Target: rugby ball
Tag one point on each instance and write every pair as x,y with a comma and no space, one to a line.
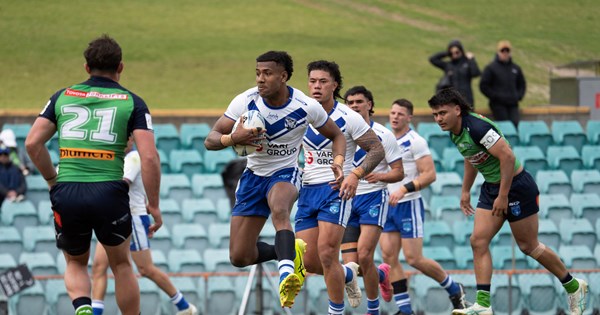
250,119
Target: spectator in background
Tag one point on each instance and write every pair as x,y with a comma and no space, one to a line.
12,181
459,70
503,83
18,157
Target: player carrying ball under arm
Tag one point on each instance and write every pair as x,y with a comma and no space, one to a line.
508,193
269,185
323,205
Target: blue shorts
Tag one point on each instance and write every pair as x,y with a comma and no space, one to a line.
140,225
321,203
253,190
522,197
370,208
407,218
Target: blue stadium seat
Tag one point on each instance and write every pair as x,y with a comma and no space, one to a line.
193,135
577,232
159,259
19,214
464,257
435,136
190,236
476,188
11,241
165,166
217,260
189,288
577,257
586,206
171,212
509,131
57,297
447,184
462,231
37,189
40,239
161,240
188,162
446,208
216,160
591,156
453,161
504,235
45,214
593,131
501,289
270,299
40,264
539,293
199,210
7,261
437,161
443,255
555,207
150,296
438,233
535,133
548,233
208,186
167,137
568,132
176,186
433,298
565,158
224,210
553,182
218,235
30,301
585,181
222,289
185,260
532,158
502,256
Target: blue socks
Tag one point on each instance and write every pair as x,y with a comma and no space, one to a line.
335,309
179,301
450,286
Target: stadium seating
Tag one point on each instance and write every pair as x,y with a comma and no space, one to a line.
504,235
591,156
548,233
57,297
577,256
593,131
167,137
218,235
437,161
37,189
532,158
193,135
509,131
502,256
501,288
447,184
188,287
553,182
446,208
438,233
432,298
161,240
435,136
577,232
40,239
217,260
190,236
464,257
185,260
222,289
539,293
443,255
7,261
568,133
200,210
586,206
586,181
176,186
40,264
171,212
188,162
224,210
11,241
535,133
45,214
19,214
165,166
215,161
555,207
453,161
208,186
462,231
30,301
150,294
159,259
565,158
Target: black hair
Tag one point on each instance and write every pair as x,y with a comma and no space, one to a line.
450,96
281,58
103,54
359,89
402,102
332,68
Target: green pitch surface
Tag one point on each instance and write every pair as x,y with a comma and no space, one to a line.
200,54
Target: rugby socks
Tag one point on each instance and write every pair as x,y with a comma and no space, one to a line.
285,248
98,307
451,287
82,305
483,295
570,284
401,296
179,301
373,306
335,309
266,252
348,274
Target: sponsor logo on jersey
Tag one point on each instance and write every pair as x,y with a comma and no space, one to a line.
77,153
280,149
490,138
94,94
478,158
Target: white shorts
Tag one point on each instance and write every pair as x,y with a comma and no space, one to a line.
140,225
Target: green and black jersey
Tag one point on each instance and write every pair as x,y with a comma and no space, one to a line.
477,136
94,120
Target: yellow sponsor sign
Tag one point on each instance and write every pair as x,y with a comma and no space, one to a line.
77,153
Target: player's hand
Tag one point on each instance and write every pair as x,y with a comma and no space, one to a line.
396,196
252,137
157,217
465,204
500,206
348,188
338,174
373,178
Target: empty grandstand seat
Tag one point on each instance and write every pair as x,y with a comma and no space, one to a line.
215,161
37,189
30,301
217,260
464,257
189,288
586,206
568,132
40,239
224,210
443,255
565,158
45,214
577,256
190,236
509,131
167,137
435,136
462,231
577,232
150,297
548,233
222,289
433,298
593,131
553,182
185,260
40,264
161,240
165,166
270,299
159,259
218,235
176,186
11,241
437,161
501,289
453,161
171,212
188,162
535,133
539,293
555,207
532,158
208,186
19,214
504,235
57,297
438,233
447,184
193,135
586,181
199,210
7,261
476,188
502,257
446,208
591,156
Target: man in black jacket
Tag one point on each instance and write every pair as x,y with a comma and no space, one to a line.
459,70
503,83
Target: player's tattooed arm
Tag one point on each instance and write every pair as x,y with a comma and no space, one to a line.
375,152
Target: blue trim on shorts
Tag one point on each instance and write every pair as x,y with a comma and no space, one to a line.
407,218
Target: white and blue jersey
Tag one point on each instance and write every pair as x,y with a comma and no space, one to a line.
140,220
285,126
413,147
318,154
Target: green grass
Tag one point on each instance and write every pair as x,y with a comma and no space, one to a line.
200,54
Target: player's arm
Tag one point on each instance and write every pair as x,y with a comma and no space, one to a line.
338,150
395,174
502,151
221,136
35,144
426,170
150,163
375,153
468,180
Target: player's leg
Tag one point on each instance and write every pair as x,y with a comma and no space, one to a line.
330,238
307,226
367,242
391,244
99,279
127,292
312,263
349,250
77,281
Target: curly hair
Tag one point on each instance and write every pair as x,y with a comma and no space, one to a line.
450,96
333,69
281,58
103,54
359,89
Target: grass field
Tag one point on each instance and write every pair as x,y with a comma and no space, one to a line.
200,54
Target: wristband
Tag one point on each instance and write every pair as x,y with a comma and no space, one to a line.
52,180
410,187
339,160
359,172
227,140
